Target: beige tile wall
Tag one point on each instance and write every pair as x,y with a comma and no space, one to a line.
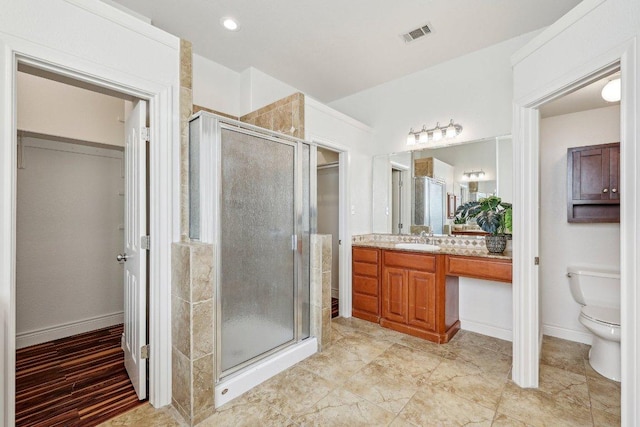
285,116
186,109
321,289
192,330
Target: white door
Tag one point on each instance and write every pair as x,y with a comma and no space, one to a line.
135,257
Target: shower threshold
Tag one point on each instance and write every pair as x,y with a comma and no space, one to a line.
230,388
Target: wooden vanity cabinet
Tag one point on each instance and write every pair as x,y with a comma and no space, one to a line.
593,177
414,296
365,284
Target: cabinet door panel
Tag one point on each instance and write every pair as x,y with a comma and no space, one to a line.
394,294
422,300
590,174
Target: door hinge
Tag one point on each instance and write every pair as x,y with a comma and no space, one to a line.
145,242
144,352
294,242
536,261
145,134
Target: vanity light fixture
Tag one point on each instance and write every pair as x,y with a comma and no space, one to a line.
612,90
230,24
473,175
425,135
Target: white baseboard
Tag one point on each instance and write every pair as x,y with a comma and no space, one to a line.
568,334
26,339
484,329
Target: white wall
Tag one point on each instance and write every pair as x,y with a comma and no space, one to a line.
323,124
259,89
222,89
475,90
51,108
571,243
94,39
69,216
215,86
594,35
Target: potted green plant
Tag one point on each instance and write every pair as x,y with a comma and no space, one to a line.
494,217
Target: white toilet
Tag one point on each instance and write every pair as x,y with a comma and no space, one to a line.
598,291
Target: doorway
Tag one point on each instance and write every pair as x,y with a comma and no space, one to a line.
81,200
328,204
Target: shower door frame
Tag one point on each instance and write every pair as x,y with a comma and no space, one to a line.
210,143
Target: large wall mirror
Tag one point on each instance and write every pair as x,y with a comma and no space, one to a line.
423,187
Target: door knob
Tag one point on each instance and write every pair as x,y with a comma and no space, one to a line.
605,190
614,190
121,258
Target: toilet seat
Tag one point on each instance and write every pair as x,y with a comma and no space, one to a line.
603,315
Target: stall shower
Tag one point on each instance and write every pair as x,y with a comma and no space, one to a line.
250,199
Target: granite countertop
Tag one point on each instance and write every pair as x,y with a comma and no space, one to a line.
479,251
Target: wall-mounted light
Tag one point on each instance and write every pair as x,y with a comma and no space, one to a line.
436,134
611,92
473,175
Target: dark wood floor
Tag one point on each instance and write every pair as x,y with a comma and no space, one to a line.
334,307
75,381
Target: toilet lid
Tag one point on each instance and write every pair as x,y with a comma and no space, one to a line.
610,316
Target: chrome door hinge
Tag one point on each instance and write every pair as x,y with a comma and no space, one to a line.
536,261
144,352
145,134
145,242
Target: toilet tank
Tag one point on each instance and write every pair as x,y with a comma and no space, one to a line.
595,286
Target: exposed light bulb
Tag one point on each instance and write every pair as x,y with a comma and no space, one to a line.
611,92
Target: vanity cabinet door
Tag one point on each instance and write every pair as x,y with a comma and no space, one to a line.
394,294
421,300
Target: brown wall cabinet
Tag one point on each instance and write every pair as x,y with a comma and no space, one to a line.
365,286
593,177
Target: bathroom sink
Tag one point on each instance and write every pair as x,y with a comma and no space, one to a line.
417,246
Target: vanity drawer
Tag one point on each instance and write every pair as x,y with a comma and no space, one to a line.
363,269
365,285
365,255
479,268
411,261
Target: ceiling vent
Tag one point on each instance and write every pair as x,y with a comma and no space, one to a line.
416,34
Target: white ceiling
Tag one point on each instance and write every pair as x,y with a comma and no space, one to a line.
333,48
586,98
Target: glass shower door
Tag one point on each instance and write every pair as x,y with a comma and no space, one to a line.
257,247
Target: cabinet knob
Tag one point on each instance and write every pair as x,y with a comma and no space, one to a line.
614,190
605,190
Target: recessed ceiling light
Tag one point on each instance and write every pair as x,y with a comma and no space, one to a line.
230,24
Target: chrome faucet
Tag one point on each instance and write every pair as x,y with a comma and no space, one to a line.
425,236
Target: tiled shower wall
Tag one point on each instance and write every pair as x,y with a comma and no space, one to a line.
192,312
285,116
321,289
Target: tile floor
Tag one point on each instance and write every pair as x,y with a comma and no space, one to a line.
376,377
